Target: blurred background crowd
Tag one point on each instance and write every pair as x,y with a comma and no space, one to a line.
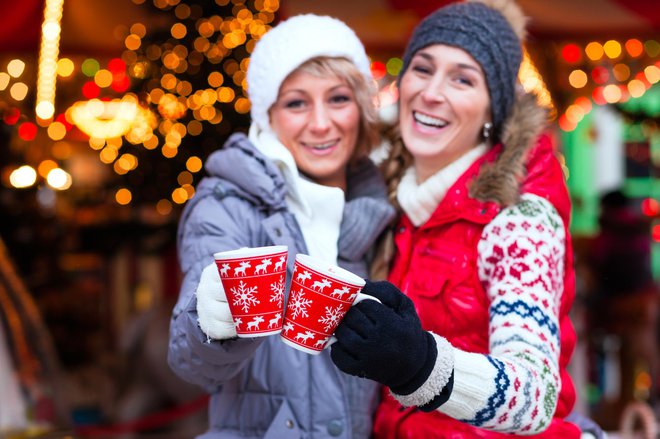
108,110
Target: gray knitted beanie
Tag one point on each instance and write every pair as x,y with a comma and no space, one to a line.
487,36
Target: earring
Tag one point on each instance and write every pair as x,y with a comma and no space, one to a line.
486,130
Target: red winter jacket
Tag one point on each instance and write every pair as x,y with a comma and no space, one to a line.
435,265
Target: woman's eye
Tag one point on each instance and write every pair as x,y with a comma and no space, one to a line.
294,104
421,69
464,81
340,99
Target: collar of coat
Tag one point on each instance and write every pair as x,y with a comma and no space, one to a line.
499,181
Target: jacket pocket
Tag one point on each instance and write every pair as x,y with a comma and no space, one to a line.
284,424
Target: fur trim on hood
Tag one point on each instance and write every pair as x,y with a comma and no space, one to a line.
500,181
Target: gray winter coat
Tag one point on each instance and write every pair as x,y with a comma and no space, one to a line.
260,387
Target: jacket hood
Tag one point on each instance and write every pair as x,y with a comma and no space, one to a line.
241,167
500,180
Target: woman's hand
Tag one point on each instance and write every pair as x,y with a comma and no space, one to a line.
213,313
385,341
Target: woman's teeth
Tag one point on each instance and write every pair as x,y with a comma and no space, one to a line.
428,120
321,146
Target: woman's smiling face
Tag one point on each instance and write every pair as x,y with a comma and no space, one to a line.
318,120
443,106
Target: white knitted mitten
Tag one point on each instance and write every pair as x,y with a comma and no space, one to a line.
213,313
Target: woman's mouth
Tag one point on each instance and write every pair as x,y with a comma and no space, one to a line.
429,121
321,146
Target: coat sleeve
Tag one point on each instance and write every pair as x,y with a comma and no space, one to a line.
210,226
515,387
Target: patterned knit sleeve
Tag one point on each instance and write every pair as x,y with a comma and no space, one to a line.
521,265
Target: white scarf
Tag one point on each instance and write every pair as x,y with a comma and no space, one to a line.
318,209
419,201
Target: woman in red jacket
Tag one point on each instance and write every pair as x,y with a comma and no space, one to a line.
473,336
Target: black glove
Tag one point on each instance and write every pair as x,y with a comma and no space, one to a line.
385,342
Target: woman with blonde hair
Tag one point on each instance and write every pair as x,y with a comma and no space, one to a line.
302,179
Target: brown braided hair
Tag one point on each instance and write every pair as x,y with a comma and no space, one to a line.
397,161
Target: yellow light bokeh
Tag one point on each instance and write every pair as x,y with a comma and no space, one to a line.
96,143
108,154
225,94
123,196
182,11
4,80
24,176
178,30
184,88
15,68
139,29
190,190
164,207
169,152
179,195
103,78
65,67
132,42
194,164
206,29
156,94
59,179
45,110
652,74
151,142
242,105
578,78
195,128
18,91
636,88
127,162
56,130
45,167
574,113
612,93
594,51
621,72
216,79
168,81
184,177
612,49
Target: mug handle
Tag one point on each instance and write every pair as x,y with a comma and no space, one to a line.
359,298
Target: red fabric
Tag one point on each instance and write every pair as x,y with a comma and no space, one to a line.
435,266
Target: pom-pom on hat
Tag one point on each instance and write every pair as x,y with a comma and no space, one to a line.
290,44
491,33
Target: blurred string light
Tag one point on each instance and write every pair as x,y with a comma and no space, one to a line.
49,51
607,73
113,118
187,97
532,82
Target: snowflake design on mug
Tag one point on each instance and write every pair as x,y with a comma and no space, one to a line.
298,304
331,318
277,292
244,296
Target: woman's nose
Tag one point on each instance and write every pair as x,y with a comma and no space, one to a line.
320,120
435,91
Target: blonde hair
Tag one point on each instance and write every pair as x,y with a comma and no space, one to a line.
364,90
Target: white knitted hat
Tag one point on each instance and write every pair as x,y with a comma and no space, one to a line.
288,45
